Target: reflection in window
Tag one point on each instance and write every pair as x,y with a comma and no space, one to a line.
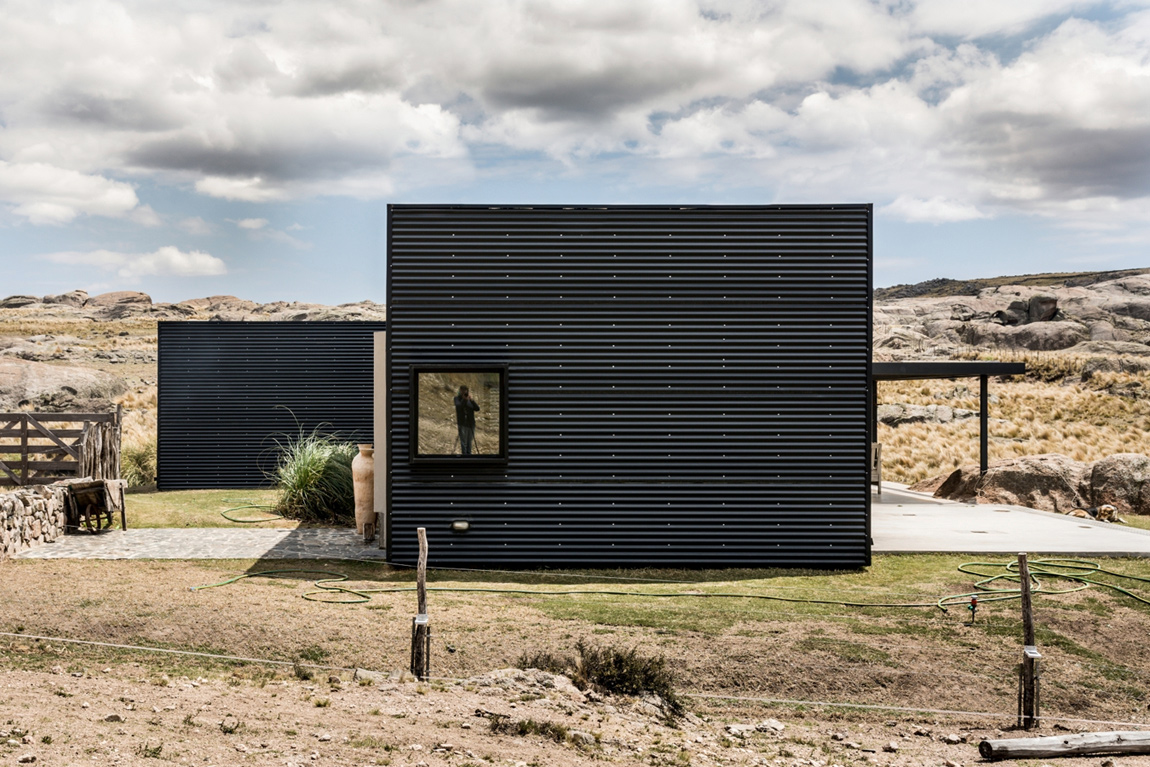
459,414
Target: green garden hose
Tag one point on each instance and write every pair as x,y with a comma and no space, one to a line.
1076,571
270,518
1079,572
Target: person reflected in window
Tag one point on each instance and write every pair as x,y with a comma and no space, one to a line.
465,410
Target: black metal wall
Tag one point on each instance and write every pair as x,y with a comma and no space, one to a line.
221,385
687,385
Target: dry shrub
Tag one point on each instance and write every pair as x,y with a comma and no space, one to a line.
613,670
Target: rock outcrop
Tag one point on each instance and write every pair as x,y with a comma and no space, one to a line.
1051,482
1122,480
897,414
119,297
27,385
1015,318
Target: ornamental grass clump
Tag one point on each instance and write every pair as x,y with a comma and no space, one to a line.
313,476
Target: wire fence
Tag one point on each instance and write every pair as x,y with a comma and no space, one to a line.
734,648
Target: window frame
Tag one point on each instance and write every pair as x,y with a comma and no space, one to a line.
456,461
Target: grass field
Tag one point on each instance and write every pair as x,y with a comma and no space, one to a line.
1097,663
201,508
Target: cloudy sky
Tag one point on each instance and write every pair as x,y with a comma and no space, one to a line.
195,147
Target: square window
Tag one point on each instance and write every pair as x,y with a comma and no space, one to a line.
459,414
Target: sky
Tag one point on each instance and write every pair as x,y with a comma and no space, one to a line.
193,147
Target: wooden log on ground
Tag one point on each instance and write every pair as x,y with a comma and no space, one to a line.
1087,743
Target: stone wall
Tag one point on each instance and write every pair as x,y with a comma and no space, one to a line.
31,516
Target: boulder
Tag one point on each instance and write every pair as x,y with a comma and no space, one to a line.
15,302
220,303
1041,308
1105,331
1051,482
1122,480
1114,365
1016,314
1042,336
72,298
119,297
1138,308
896,414
50,387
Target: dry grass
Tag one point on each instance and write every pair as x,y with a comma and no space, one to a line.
138,436
1109,414
1094,642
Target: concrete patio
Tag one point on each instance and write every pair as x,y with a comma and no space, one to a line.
905,522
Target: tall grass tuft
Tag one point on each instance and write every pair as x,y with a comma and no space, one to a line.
138,463
313,476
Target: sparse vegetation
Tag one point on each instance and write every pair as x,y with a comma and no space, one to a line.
1086,421
612,670
522,727
150,752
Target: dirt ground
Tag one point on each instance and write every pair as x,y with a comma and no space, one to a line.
118,715
1096,663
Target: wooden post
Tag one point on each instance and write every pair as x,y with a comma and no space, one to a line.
420,628
1028,702
1132,742
25,472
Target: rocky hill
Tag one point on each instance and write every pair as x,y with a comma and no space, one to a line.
79,352
1071,313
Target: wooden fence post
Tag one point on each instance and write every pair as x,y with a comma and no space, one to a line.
1028,680
420,628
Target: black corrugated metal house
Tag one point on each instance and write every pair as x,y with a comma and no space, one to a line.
656,385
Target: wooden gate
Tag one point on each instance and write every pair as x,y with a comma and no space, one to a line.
42,448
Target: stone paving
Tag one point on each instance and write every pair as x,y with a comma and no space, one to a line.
210,543
902,522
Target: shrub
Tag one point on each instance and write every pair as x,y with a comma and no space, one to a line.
313,475
613,670
545,661
138,463
523,727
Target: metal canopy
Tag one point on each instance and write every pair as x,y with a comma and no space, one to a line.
918,371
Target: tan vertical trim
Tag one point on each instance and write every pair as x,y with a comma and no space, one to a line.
380,428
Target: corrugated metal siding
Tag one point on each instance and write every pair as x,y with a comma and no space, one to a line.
220,384
687,386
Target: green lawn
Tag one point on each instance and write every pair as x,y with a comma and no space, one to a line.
200,508
1134,520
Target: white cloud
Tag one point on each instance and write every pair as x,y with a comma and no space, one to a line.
167,261
918,105
195,225
243,189
972,18
258,229
251,223
145,216
936,210
46,194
